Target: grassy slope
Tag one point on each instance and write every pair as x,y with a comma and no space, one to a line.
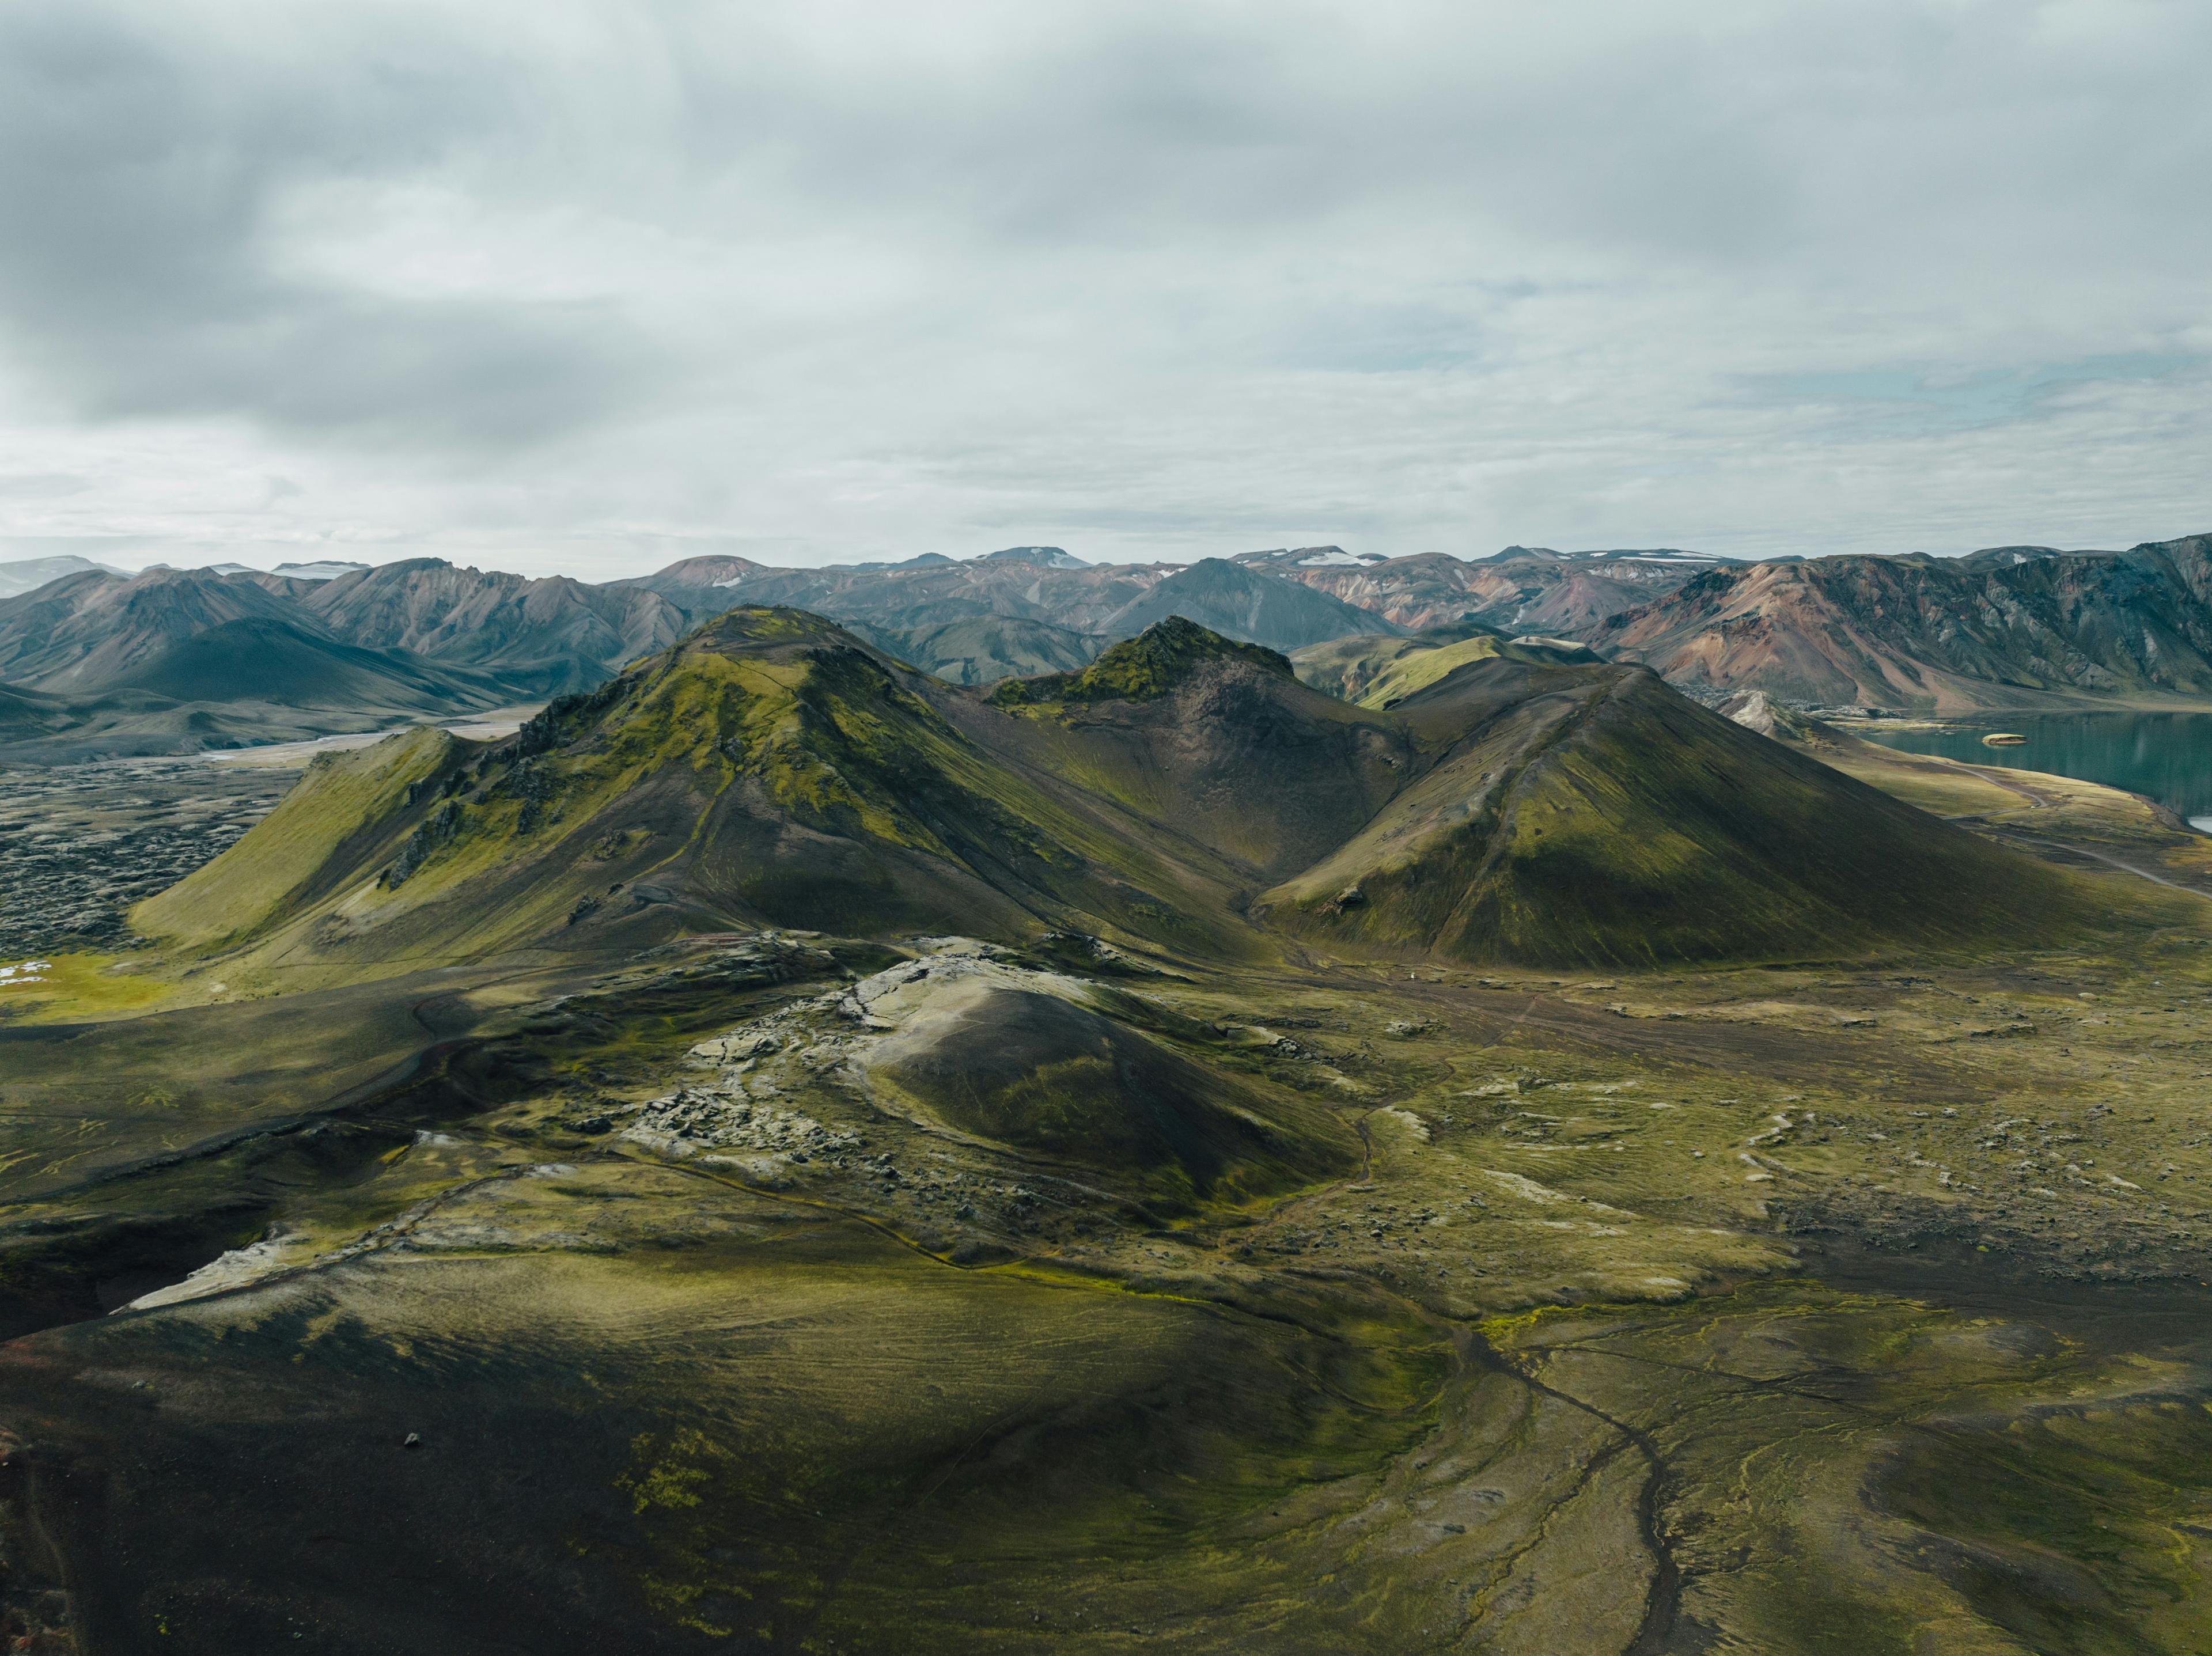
1614,822
321,820
1422,668
1344,667
665,1411
1377,671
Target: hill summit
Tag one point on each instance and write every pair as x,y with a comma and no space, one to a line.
1139,668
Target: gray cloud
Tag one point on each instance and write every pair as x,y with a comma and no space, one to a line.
139,161
569,284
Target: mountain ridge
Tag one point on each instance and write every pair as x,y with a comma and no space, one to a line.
2006,626
1228,597
1184,791
553,633
1518,590
2013,627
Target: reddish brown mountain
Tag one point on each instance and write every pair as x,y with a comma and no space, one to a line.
2011,628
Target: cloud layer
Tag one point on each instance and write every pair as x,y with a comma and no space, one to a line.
589,287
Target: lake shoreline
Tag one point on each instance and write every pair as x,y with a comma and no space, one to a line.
2164,755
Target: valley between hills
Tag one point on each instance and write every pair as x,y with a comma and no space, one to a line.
1435,1143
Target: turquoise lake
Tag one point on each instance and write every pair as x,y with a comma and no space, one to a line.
2168,757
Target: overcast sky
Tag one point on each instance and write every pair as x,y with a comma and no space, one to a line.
590,285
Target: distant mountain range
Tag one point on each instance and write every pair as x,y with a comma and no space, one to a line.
2011,627
31,573
193,653
1521,590
190,653
171,658
1021,584
544,635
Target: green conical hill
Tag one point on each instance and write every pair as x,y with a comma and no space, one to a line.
1591,816
1412,673
769,769
1152,664
1417,670
1378,670
1344,667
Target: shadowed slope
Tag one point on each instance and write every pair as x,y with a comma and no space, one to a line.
1039,1072
1592,816
984,649
81,634
1065,1069
264,658
1214,742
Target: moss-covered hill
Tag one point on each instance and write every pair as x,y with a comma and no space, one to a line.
768,770
1592,816
1140,669
771,769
